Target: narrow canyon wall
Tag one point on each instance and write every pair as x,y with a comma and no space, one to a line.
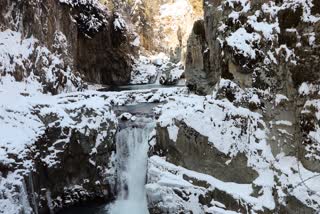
272,48
85,34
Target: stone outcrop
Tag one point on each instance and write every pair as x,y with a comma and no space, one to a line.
193,151
197,61
188,141
240,49
71,165
69,162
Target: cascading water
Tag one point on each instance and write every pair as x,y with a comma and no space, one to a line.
132,155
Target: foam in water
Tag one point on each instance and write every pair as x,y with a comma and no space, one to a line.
132,155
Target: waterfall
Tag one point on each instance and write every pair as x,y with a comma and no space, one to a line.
132,155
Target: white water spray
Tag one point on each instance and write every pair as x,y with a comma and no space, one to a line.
132,155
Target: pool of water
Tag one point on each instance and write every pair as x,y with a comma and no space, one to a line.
136,87
86,209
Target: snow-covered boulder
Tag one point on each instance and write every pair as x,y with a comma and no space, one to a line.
224,153
171,73
55,151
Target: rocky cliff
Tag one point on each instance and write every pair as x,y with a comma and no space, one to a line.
262,46
246,56
257,44
84,33
55,153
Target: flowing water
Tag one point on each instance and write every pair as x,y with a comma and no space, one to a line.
132,154
132,145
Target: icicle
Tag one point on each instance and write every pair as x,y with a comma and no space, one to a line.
33,195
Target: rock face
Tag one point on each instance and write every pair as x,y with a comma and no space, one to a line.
83,158
193,151
251,146
70,160
197,71
257,44
266,45
273,57
94,46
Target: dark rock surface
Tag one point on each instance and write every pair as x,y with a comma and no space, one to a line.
193,151
69,167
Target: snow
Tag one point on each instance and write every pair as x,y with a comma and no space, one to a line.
268,30
136,42
119,23
159,59
148,69
171,73
231,129
305,185
26,103
22,127
280,98
164,175
281,122
264,22
311,108
289,53
14,49
177,9
243,41
306,89
41,74
92,15
75,3
173,132
14,198
223,132
144,71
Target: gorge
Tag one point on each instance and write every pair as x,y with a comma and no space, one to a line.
159,106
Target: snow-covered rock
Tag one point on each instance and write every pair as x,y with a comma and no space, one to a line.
224,137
